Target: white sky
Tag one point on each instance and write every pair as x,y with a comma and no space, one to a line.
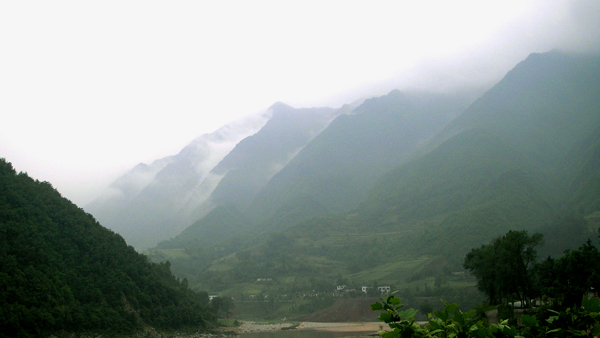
90,89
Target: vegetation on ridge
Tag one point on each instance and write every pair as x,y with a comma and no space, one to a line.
61,271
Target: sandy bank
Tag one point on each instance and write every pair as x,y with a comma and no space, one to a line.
332,327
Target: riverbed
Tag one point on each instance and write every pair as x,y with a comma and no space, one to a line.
308,329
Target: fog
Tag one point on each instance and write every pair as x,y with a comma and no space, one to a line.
89,90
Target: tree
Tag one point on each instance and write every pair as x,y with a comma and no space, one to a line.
574,274
506,267
222,305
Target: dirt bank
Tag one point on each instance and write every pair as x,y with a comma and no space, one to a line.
345,310
367,327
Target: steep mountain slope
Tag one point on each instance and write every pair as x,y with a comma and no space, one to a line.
333,171
228,166
61,271
342,162
256,159
518,156
544,107
144,204
221,223
582,195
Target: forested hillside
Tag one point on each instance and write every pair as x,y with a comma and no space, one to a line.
61,271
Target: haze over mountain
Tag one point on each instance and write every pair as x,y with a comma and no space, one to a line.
522,156
341,163
157,201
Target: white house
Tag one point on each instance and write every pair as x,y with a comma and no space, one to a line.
383,289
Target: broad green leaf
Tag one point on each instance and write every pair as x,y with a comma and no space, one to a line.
410,313
385,317
394,300
529,321
451,307
469,313
592,305
376,306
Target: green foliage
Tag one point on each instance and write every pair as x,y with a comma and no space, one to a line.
575,273
62,271
506,267
451,322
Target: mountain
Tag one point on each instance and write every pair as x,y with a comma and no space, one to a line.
62,272
256,159
522,156
544,107
519,156
156,202
342,162
330,173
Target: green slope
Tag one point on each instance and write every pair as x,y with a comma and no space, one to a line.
544,108
583,194
522,155
61,271
339,165
253,161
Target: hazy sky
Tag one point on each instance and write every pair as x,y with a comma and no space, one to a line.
89,89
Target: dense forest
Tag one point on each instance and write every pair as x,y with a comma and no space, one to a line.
62,272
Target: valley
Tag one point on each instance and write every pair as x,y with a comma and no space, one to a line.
397,190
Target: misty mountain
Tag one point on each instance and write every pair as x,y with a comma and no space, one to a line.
519,156
155,202
256,159
544,107
332,173
342,162
522,156
143,204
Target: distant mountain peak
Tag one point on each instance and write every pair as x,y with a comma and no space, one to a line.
395,92
280,106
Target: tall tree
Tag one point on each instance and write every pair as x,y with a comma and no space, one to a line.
506,267
571,276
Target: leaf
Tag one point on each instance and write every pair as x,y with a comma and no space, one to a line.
434,332
377,306
592,305
385,317
394,300
529,321
390,335
469,314
451,307
595,330
441,315
410,313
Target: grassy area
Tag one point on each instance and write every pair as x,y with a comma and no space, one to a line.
228,322
393,272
